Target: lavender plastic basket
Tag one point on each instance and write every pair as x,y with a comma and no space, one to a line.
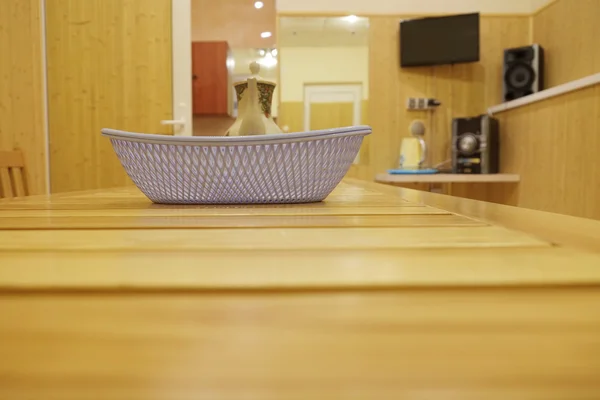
286,168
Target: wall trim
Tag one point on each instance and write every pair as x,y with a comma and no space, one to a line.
559,90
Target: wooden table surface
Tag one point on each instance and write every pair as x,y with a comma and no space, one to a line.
376,293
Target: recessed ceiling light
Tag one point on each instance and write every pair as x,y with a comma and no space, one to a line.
265,35
350,18
274,52
261,52
268,61
259,4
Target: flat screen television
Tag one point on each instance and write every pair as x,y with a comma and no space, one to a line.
439,40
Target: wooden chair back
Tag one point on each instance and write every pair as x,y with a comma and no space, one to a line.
12,175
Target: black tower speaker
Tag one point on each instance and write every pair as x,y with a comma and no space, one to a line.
523,71
475,145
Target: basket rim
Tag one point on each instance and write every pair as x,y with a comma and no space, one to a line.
359,130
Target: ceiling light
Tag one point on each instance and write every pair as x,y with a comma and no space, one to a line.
274,52
261,52
265,35
259,4
350,18
268,61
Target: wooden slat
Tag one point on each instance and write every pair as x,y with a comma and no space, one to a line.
298,269
554,186
6,184
493,345
563,230
236,222
318,209
266,239
579,25
19,182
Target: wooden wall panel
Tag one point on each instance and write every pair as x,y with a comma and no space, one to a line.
569,31
330,115
554,145
464,90
21,87
291,114
109,66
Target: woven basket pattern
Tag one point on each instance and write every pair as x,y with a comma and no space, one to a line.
296,172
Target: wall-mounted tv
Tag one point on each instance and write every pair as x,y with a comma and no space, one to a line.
439,40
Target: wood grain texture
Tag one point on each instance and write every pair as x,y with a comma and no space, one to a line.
353,239
564,230
302,270
21,87
559,172
109,66
568,30
210,85
464,90
267,239
235,221
496,344
12,176
502,304
330,115
292,115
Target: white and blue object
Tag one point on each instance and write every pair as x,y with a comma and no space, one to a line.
282,168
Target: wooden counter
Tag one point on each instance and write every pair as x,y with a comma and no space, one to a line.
378,293
495,188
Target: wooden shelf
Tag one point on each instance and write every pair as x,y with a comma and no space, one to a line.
448,178
548,93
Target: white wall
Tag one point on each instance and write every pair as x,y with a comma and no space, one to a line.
300,65
371,7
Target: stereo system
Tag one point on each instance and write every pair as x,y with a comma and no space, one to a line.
475,145
523,71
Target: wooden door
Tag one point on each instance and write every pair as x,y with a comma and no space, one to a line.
210,78
109,66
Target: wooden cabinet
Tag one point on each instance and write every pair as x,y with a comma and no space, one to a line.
210,78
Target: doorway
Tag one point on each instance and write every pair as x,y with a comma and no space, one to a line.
332,106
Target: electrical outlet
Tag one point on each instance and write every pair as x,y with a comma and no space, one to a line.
421,103
416,103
